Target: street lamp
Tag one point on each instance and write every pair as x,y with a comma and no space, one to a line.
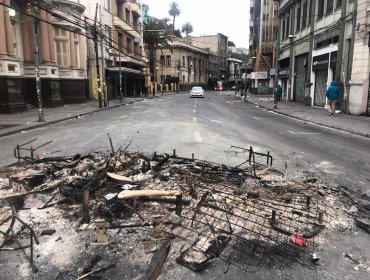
36,57
291,41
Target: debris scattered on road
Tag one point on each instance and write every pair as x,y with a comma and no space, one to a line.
250,216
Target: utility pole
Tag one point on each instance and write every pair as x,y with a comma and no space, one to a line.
103,59
97,56
36,57
291,70
277,53
120,73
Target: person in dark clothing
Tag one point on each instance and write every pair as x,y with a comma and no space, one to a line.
332,94
278,92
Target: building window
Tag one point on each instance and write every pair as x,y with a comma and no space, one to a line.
183,61
298,17
168,61
304,14
129,43
136,48
77,49
329,6
128,17
283,30
107,5
287,27
120,41
61,46
320,9
338,4
161,60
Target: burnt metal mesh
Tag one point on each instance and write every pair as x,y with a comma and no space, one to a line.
239,230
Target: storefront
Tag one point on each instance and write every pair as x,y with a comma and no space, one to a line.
322,77
260,82
300,77
283,77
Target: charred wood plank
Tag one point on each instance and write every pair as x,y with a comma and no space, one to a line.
158,261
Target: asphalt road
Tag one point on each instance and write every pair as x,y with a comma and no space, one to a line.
208,127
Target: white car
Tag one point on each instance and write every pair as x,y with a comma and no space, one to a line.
197,92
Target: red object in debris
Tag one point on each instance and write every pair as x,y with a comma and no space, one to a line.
7,237
298,240
38,157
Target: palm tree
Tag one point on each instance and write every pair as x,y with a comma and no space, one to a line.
155,37
174,12
187,28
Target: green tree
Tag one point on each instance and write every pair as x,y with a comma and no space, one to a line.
187,28
156,37
174,11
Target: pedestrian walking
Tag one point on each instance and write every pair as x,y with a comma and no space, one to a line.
278,92
332,94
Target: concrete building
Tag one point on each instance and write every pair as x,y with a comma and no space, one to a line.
234,74
186,62
263,26
321,41
128,39
120,24
216,44
61,48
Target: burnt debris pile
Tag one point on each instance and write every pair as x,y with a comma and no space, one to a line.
250,216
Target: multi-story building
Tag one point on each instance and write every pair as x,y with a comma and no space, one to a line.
216,44
186,61
213,69
262,25
61,50
121,44
234,73
321,41
128,39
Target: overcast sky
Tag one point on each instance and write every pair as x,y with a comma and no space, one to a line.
209,17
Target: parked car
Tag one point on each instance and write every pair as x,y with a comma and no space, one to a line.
197,92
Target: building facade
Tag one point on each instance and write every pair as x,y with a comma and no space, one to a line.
61,50
120,48
263,27
127,37
186,62
321,41
216,44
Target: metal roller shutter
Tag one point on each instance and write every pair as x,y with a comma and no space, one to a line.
320,88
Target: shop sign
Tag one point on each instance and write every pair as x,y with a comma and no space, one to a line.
321,61
283,72
272,72
258,75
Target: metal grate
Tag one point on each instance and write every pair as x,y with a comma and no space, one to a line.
249,233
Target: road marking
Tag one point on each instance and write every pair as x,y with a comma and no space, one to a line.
194,111
195,105
216,121
194,119
197,136
262,118
303,133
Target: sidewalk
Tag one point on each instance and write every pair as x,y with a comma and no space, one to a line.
15,123
359,125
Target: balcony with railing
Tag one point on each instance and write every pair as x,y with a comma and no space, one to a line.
127,26
135,7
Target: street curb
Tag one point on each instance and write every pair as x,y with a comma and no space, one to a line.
312,122
80,115
64,119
